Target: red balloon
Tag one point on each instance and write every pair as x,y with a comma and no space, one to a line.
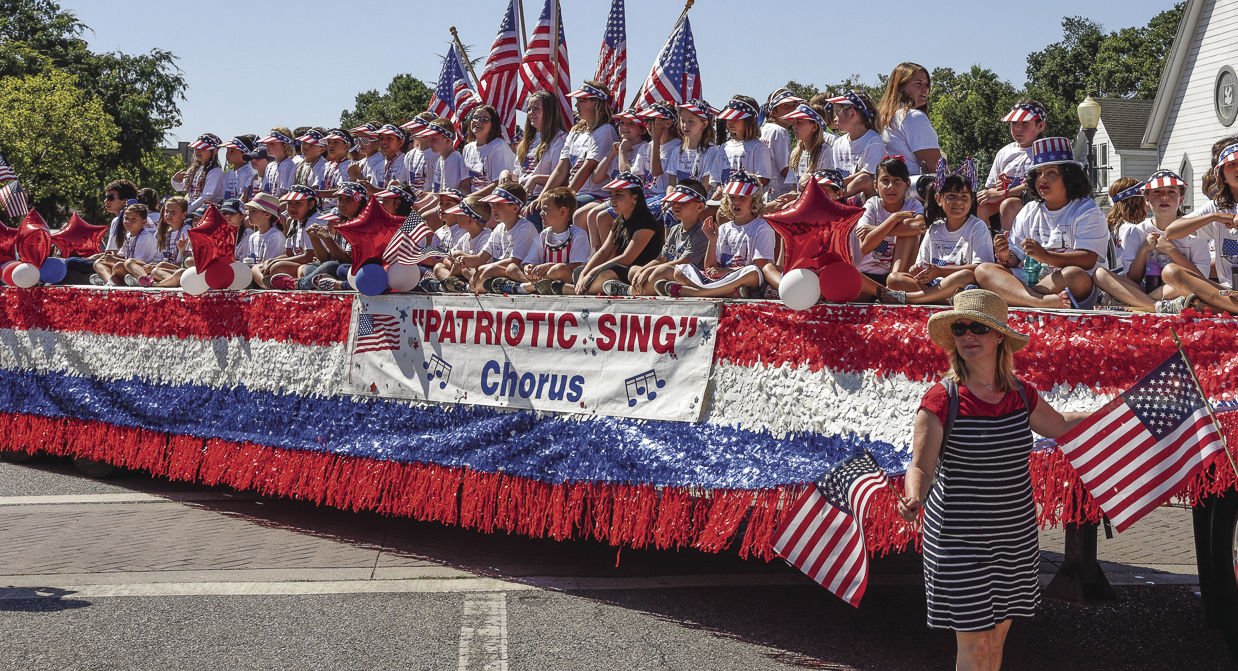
214,242
8,239
78,238
34,241
6,274
370,232
814,226
840,282
219,276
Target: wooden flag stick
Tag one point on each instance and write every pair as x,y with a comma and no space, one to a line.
464,56
554,47
687,5
524,36
1200,389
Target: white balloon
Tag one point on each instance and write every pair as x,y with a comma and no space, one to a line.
193,283
241,275
25,275
401,277
352,279
800,289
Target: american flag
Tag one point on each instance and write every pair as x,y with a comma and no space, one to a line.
535,67
824,536
412,243
676,74
612,69
500,81
454,97
6,171
1136,452
377,333
14,200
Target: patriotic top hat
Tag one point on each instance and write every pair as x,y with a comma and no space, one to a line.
501,195
631,116
299,192
1135,191
803,111
624,180
682,194
435,128
242,144
1162,179
742,184
1052,151
737,109
1025,112
365,130
784,96
332,217
590,91
453,194
463,207
206,141
391,130
830,177
416,124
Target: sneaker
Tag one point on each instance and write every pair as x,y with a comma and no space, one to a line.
431,285
283,282
549,287
502,285
668,288
325,282
892,297
455,285
131,281
97,280
616,288
1174,306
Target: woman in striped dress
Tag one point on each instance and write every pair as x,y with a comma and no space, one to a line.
981,556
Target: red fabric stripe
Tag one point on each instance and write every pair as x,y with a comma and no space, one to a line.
304,318
1157,472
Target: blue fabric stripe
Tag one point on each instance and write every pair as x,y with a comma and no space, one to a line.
548,448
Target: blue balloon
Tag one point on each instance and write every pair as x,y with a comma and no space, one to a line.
372,280
53,270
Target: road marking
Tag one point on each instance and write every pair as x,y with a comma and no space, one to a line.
127,497
483,633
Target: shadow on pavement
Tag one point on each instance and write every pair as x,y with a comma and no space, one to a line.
38,600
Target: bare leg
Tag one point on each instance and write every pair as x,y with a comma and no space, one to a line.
1124,289
974,650
1206,291
727,288
1009,209
997,642
941,294
773,275
1001,281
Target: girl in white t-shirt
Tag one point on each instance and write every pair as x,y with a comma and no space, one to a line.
955,243
903,118
540,147
586,145
664,144
775,135
631,155
698,149
1215,221
813,150
743,149
887,235
1149,261
859,149
203,182
281,172
486,155
1003,192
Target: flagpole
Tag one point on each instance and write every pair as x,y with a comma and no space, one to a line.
1211,415
524,37
554,46
686,7
464,56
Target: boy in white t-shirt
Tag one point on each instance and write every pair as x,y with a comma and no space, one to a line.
450,274
562,249
1004,189
775,135
859,149
513,240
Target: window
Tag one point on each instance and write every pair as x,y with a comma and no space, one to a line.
1098,170
1188,176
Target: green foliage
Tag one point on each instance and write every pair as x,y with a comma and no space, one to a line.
405,97
963,111
49,127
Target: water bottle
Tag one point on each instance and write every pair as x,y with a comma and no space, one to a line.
1032,268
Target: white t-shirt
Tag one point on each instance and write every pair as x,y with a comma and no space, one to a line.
212,189
144,248
446,236
638,162
910,131
521,242
741,245
581,146
668,154
239,183
863,154
335,174
531,166
779,142
1080,225
692,163
1132,236
449,171
172,253
570,246
1013,161
469,245
751,156
970,244
880,261
420,164
486,162
1224,242
312,175
372,171
825,160
285,175
263,246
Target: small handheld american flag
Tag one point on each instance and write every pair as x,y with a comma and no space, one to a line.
412,243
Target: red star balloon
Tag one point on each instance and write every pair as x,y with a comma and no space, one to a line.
213,240
79,238
34,241
816,229
8,238
370,232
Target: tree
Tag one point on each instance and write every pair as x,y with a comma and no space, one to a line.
405,98
1062,69
966,110
48,124
1130,61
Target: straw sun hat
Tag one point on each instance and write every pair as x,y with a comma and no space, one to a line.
980,306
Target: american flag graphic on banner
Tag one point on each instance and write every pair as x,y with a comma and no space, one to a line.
824,537
14,200
454,98
1138,450
377,333
6,171
612,69
676,74
500,80
412,243
536,70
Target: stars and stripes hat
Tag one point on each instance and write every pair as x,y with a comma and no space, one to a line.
365,130
417,123
830,177
742,184
501,195
803,111
682,194
1135,191
462,207
631,116
455,194
395,190
1162,179
784,95
624,180
737,109
339,134
1228,155
332,217
659,110
1052,151
352,190
435,128
242,144
392,130
853,99
314,137
206,141
700,108
276,136
299,192
1025,112
589,91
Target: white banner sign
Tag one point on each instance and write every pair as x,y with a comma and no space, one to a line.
626,358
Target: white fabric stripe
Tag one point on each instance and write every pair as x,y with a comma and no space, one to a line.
1135,507
806,520
1089,447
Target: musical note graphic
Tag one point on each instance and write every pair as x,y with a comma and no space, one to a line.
640,384
438,368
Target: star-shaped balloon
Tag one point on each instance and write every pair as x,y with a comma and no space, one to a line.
78,238
816,229
369,232
213,240
8,239
34,241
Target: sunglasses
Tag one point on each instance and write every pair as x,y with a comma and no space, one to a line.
110,197
976,328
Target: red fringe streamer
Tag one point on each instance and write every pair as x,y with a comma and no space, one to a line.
623,515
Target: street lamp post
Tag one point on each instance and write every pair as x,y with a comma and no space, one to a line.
1089,119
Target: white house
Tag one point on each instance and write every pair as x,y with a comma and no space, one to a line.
1117,147
1197,101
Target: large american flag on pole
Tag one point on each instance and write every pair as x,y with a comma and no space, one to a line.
377,333
1140,448
454,97
612,69
824,536
500,80
412,243
676,74
535,69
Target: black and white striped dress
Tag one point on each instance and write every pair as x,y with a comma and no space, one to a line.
981,552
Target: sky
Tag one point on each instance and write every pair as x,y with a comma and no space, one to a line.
323,53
